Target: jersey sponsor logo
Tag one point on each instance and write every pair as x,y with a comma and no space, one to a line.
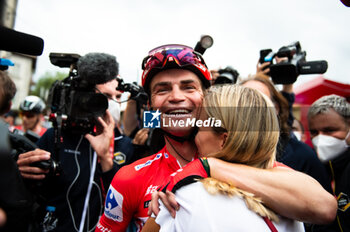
148,162
114,205
102,228
119,158
151,189
146,204
200,66
176,172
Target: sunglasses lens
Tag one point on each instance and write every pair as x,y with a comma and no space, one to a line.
27,114
159,57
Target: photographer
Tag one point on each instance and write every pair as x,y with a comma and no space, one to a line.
7,92
292,152
145,141
15,200
66,189
227,75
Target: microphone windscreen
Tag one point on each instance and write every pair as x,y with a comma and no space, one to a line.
98,68
15,41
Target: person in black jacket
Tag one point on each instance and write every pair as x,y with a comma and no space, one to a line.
15,200
329,124
67,190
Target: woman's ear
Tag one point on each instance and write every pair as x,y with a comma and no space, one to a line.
223,138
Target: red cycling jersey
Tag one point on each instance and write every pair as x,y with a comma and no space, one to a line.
130,191
40,133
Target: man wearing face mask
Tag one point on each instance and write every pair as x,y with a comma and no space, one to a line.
68,191
299,130
329,123
122,144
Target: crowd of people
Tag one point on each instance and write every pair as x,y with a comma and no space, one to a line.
250,171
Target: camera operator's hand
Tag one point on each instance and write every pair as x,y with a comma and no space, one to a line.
261,68
214,75
26,160
3,217
101,141
129,119
141,137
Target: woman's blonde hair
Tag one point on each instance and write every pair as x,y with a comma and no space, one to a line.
250,121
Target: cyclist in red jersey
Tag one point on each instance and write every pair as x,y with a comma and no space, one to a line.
174,76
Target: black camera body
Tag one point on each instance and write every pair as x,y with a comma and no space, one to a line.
137,93
23,142
20,143
227,75
74,99
295,64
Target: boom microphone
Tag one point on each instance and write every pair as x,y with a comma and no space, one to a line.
14,41
346,2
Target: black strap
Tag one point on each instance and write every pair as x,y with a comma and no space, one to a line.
182,139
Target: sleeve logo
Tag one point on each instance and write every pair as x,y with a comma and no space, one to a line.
114,205
119,158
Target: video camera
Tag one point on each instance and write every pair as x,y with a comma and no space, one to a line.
137,93
286,72
73,101
23,142
227,75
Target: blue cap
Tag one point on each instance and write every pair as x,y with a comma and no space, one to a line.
6,62
50,208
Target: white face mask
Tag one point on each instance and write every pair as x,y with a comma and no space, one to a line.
297,135
328,147
114,109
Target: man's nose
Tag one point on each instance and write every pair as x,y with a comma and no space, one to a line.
176,94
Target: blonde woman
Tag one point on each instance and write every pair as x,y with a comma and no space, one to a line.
248,135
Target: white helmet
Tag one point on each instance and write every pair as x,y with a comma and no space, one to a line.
32,104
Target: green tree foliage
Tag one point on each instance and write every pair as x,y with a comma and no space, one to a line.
43,85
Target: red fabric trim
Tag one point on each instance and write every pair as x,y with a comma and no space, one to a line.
270,224
278,164
103,190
